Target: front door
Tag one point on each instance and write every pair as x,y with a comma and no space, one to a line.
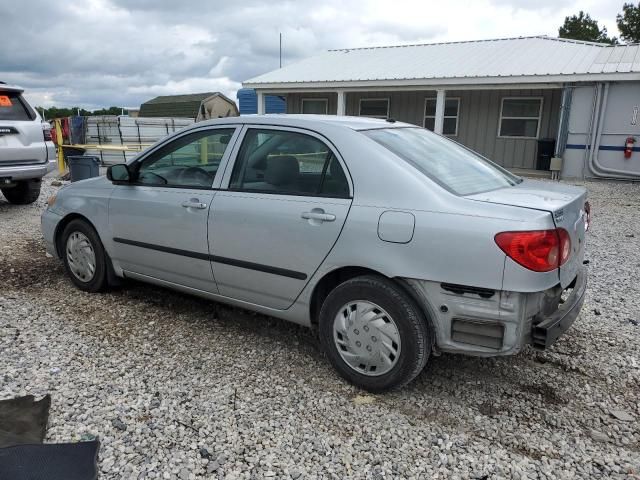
159,221
287,199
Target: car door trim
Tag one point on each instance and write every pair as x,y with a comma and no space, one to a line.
283,272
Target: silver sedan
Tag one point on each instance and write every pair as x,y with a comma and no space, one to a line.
394,242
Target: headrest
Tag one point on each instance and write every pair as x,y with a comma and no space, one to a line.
282,170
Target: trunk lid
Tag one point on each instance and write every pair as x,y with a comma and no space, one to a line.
565,203
21,138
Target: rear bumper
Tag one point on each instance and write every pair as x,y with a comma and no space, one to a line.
27,172
489,323
545,333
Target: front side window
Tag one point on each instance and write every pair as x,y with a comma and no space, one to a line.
291,163
189,161
444,161
374,107
317,106
520,117
451,109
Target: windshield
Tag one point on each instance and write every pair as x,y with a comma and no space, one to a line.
449,164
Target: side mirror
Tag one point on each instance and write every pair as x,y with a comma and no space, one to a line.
119,173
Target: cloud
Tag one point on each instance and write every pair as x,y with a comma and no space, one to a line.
95,53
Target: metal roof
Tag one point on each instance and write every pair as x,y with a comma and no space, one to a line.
179,106
508,60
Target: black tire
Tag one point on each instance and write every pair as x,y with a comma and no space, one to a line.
99,281
24,193
415,337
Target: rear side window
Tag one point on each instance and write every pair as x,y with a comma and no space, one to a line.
13,107
447,163
290,163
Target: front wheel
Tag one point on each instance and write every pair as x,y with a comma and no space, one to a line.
374,334
84,256
24,193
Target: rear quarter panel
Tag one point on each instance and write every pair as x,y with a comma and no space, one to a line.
452,247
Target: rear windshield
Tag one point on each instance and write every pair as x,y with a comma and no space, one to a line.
447,163
13,107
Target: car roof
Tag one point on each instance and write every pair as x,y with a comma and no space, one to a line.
309,121
10,88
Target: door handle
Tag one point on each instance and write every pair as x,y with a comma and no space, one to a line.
320,216
194,203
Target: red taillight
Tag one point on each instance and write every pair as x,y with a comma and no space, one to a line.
587,212
537,250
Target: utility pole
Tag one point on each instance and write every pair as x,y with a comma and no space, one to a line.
280,49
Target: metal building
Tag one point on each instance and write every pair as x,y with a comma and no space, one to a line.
518,101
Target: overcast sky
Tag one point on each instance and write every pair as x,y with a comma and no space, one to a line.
95,53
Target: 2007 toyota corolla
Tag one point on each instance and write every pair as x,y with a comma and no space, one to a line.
394,241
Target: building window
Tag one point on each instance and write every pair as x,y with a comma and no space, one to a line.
317,106
374,107
520,117
451,111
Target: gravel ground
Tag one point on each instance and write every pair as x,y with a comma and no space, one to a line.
180,388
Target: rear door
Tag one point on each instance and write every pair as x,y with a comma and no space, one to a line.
287,199
21,137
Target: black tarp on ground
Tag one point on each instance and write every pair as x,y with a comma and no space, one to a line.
23,425
23,420
61,461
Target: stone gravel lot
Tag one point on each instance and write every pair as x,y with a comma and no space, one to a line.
180,388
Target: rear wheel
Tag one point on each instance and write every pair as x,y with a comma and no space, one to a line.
25,192
374,334
84,256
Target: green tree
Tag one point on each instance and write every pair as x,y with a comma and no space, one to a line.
629,23
583,27
109,111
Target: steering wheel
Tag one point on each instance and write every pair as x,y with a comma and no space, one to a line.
194,175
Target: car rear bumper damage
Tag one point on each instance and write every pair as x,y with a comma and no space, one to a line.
547,331
485,322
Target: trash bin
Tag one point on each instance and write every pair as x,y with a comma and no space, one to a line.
82,167
68,151
546,147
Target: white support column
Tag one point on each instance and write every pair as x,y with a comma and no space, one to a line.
439,120
342,103
261,105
